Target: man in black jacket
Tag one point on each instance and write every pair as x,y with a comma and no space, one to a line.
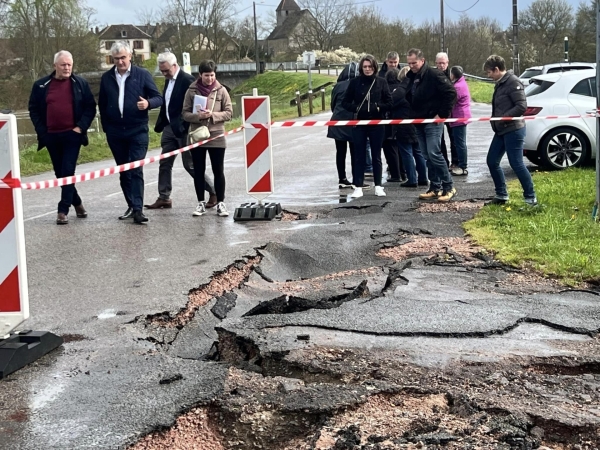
62,107
174,130
431,95
126,94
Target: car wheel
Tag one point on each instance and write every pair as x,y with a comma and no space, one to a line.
563,147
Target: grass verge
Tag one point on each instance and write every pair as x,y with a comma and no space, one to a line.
481,92
559,238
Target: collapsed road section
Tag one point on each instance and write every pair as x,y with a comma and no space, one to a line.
440,347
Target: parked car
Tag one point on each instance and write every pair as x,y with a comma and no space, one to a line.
553,68
561,143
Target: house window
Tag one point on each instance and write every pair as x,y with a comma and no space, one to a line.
123,34
108,44
108,59
138,45
139,59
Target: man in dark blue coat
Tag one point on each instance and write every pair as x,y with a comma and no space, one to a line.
62,107
127,93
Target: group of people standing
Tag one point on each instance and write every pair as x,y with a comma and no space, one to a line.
62,108
418,91
413,152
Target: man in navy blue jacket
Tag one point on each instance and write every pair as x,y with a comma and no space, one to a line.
127,93
62,107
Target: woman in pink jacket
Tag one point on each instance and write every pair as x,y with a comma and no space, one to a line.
462,108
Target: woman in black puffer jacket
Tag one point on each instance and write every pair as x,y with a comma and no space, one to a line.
368,97
412,159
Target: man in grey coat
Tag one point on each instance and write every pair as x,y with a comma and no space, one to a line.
508,101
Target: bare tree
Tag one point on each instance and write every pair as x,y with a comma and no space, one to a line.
39,28
147,16
331,18
544,25
583,46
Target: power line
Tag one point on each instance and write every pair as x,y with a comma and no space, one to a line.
461,11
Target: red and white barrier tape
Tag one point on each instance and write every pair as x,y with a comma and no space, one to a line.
14,183
342,123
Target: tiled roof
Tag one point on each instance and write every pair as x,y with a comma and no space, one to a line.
114,32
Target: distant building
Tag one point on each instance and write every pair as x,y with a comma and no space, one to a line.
292,26
139,40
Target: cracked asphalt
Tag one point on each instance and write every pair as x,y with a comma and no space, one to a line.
323,324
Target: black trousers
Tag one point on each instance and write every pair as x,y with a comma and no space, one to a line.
64,151
375,134
391,151
341,148
170,142
217,157
126,149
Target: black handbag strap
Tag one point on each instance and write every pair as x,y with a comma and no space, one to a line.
366,95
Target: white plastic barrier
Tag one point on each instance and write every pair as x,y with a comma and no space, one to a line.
14,300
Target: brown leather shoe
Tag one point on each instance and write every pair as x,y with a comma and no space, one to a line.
62,219
212,201
81,212
160,203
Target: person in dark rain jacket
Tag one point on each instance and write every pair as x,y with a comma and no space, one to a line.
342,135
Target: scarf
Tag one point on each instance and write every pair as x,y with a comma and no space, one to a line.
205,90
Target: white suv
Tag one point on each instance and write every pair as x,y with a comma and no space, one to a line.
565,142
553,68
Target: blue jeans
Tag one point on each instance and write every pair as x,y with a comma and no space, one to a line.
126,149
414,163
64,151
369,161
512,144
430,136
459,134
360,136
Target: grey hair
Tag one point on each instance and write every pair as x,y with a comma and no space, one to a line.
393,55
167,57
403,72
442,55
120,45
58,55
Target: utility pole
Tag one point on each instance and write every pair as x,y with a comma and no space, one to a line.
256,55
597,204
566,48
516,68
442,43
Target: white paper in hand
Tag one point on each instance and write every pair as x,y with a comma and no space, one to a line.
199,103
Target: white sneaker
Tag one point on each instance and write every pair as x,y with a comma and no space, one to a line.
200,209
379,192
357,193
222,210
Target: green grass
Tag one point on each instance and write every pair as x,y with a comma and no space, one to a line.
481,92
559,238
281,86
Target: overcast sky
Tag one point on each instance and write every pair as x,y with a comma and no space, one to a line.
119,11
